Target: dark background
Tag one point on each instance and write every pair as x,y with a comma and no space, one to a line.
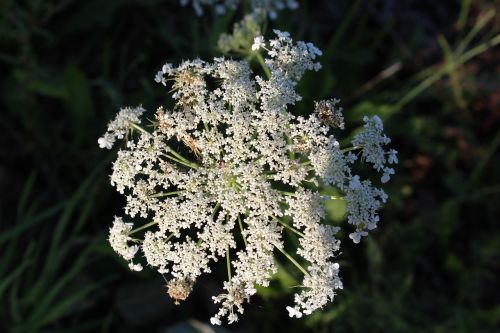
433,264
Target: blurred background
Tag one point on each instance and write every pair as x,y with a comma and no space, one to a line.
430,69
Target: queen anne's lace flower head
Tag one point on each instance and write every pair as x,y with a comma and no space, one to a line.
248,171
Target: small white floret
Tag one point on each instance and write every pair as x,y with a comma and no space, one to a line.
215,321
258,43
293,312
135,267
106,141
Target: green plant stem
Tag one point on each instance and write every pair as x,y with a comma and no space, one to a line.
334,197
464,13
180,157
291,153
139,128
165,194
290,194
214,210
262,63
241,230
345,150
454,75
188,164
228,262
439,72
289,227
293,261
481,22
142,228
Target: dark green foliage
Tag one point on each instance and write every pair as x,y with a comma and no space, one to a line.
428,68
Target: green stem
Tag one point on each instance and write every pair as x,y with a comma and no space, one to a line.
350,149
143,227
290,194
262,63
215,210
164,194
334,197
438,73
481,22
188,164
289,227
289,257
241,230
291,154
180,157
228,262
257,159
139,128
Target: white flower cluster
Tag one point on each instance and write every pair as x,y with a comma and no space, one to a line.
119,127
230,169
372,141
119,237
221,6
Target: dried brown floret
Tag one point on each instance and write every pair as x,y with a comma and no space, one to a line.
179,289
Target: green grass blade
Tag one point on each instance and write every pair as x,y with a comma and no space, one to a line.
23,199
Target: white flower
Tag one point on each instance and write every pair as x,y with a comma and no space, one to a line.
118,128
320,286
119,239
293,312
258,43
135,267
106,141
124,120
387,175
372,141
363,202
159,77
208,180
215,321
393,157
356,236
282,35
333,270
